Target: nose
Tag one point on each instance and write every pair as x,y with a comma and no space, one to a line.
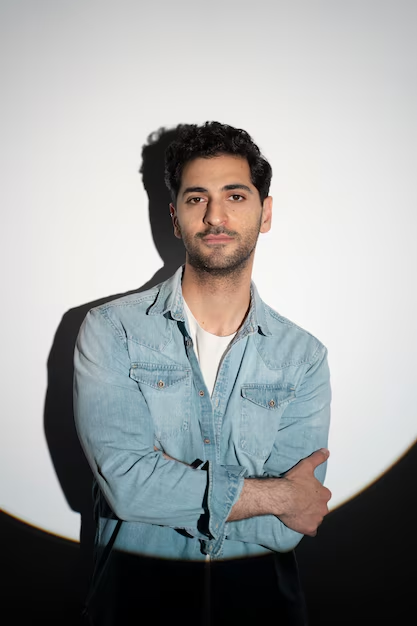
215,214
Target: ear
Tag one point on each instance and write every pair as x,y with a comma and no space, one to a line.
174,218
266,215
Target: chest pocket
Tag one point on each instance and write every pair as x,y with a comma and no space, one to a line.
167,391
262,408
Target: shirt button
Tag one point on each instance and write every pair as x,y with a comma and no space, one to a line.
206,440
201,393
271,403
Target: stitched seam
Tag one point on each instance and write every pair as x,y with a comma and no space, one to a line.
115,303
155,348
151,367
308,361
105,316
286,321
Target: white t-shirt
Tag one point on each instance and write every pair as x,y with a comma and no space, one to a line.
209,349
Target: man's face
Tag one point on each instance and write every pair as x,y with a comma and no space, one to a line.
219,214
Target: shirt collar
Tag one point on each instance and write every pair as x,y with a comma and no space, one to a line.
170,300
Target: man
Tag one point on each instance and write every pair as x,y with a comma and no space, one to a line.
204,414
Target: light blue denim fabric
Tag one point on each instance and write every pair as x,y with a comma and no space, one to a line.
138,385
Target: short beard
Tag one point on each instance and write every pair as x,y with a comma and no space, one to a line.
233,266
230,267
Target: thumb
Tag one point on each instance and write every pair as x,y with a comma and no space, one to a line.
319,456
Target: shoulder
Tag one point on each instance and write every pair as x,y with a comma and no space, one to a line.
124,315
140,301
287,343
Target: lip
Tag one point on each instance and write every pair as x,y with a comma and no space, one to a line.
217,239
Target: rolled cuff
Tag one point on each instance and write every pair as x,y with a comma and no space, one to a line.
224,488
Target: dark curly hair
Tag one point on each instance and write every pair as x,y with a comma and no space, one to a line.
209,140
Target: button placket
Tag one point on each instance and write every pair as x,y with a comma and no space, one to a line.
206,423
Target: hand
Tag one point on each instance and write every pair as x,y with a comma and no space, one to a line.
166,456
305,498
163,453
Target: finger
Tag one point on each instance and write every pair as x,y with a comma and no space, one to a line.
319,456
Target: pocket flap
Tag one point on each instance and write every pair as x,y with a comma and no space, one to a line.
268,396
158,376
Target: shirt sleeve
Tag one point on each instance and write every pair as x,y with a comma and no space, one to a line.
304,428
116,431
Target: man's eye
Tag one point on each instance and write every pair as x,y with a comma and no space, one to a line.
236,197
195,200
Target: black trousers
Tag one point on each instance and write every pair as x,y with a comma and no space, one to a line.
255,590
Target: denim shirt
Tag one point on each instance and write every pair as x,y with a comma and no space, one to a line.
138,385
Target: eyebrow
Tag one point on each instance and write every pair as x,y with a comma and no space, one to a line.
230,187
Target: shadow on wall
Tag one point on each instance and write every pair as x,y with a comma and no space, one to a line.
70,464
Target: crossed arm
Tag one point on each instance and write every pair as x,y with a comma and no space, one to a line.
116,432
297,498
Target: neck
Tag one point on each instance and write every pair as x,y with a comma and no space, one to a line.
219,303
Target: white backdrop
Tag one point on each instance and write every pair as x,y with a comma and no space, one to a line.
327,90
